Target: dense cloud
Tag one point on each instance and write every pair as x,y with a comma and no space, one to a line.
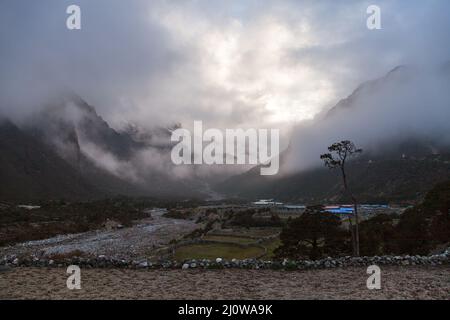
228,63
408,104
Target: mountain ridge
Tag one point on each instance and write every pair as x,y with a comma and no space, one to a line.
400,170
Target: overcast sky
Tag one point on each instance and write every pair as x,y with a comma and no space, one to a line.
228,63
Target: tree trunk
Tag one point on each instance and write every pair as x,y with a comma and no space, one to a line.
355,206
355,229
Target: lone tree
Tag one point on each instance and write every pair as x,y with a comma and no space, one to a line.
337,157
316,233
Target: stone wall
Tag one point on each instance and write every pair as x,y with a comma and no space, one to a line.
113,262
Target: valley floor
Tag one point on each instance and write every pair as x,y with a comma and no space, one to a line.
140,240
409,282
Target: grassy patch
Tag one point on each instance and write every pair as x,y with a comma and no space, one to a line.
271,246
213,251
253,232
230,239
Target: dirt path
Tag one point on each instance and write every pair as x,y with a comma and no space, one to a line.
397,283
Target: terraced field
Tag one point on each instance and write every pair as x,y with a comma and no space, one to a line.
217,250
230,239
235,244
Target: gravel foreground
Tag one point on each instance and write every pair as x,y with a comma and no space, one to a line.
397,282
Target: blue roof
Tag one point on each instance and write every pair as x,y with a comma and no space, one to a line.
340,210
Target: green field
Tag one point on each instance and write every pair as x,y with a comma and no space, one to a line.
230,239
255,232
229,245
271,246
219,250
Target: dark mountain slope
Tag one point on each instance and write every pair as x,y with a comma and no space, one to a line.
398,168
381,180
31,170
93,154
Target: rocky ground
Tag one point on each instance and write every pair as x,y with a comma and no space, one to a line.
398,282
140,240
